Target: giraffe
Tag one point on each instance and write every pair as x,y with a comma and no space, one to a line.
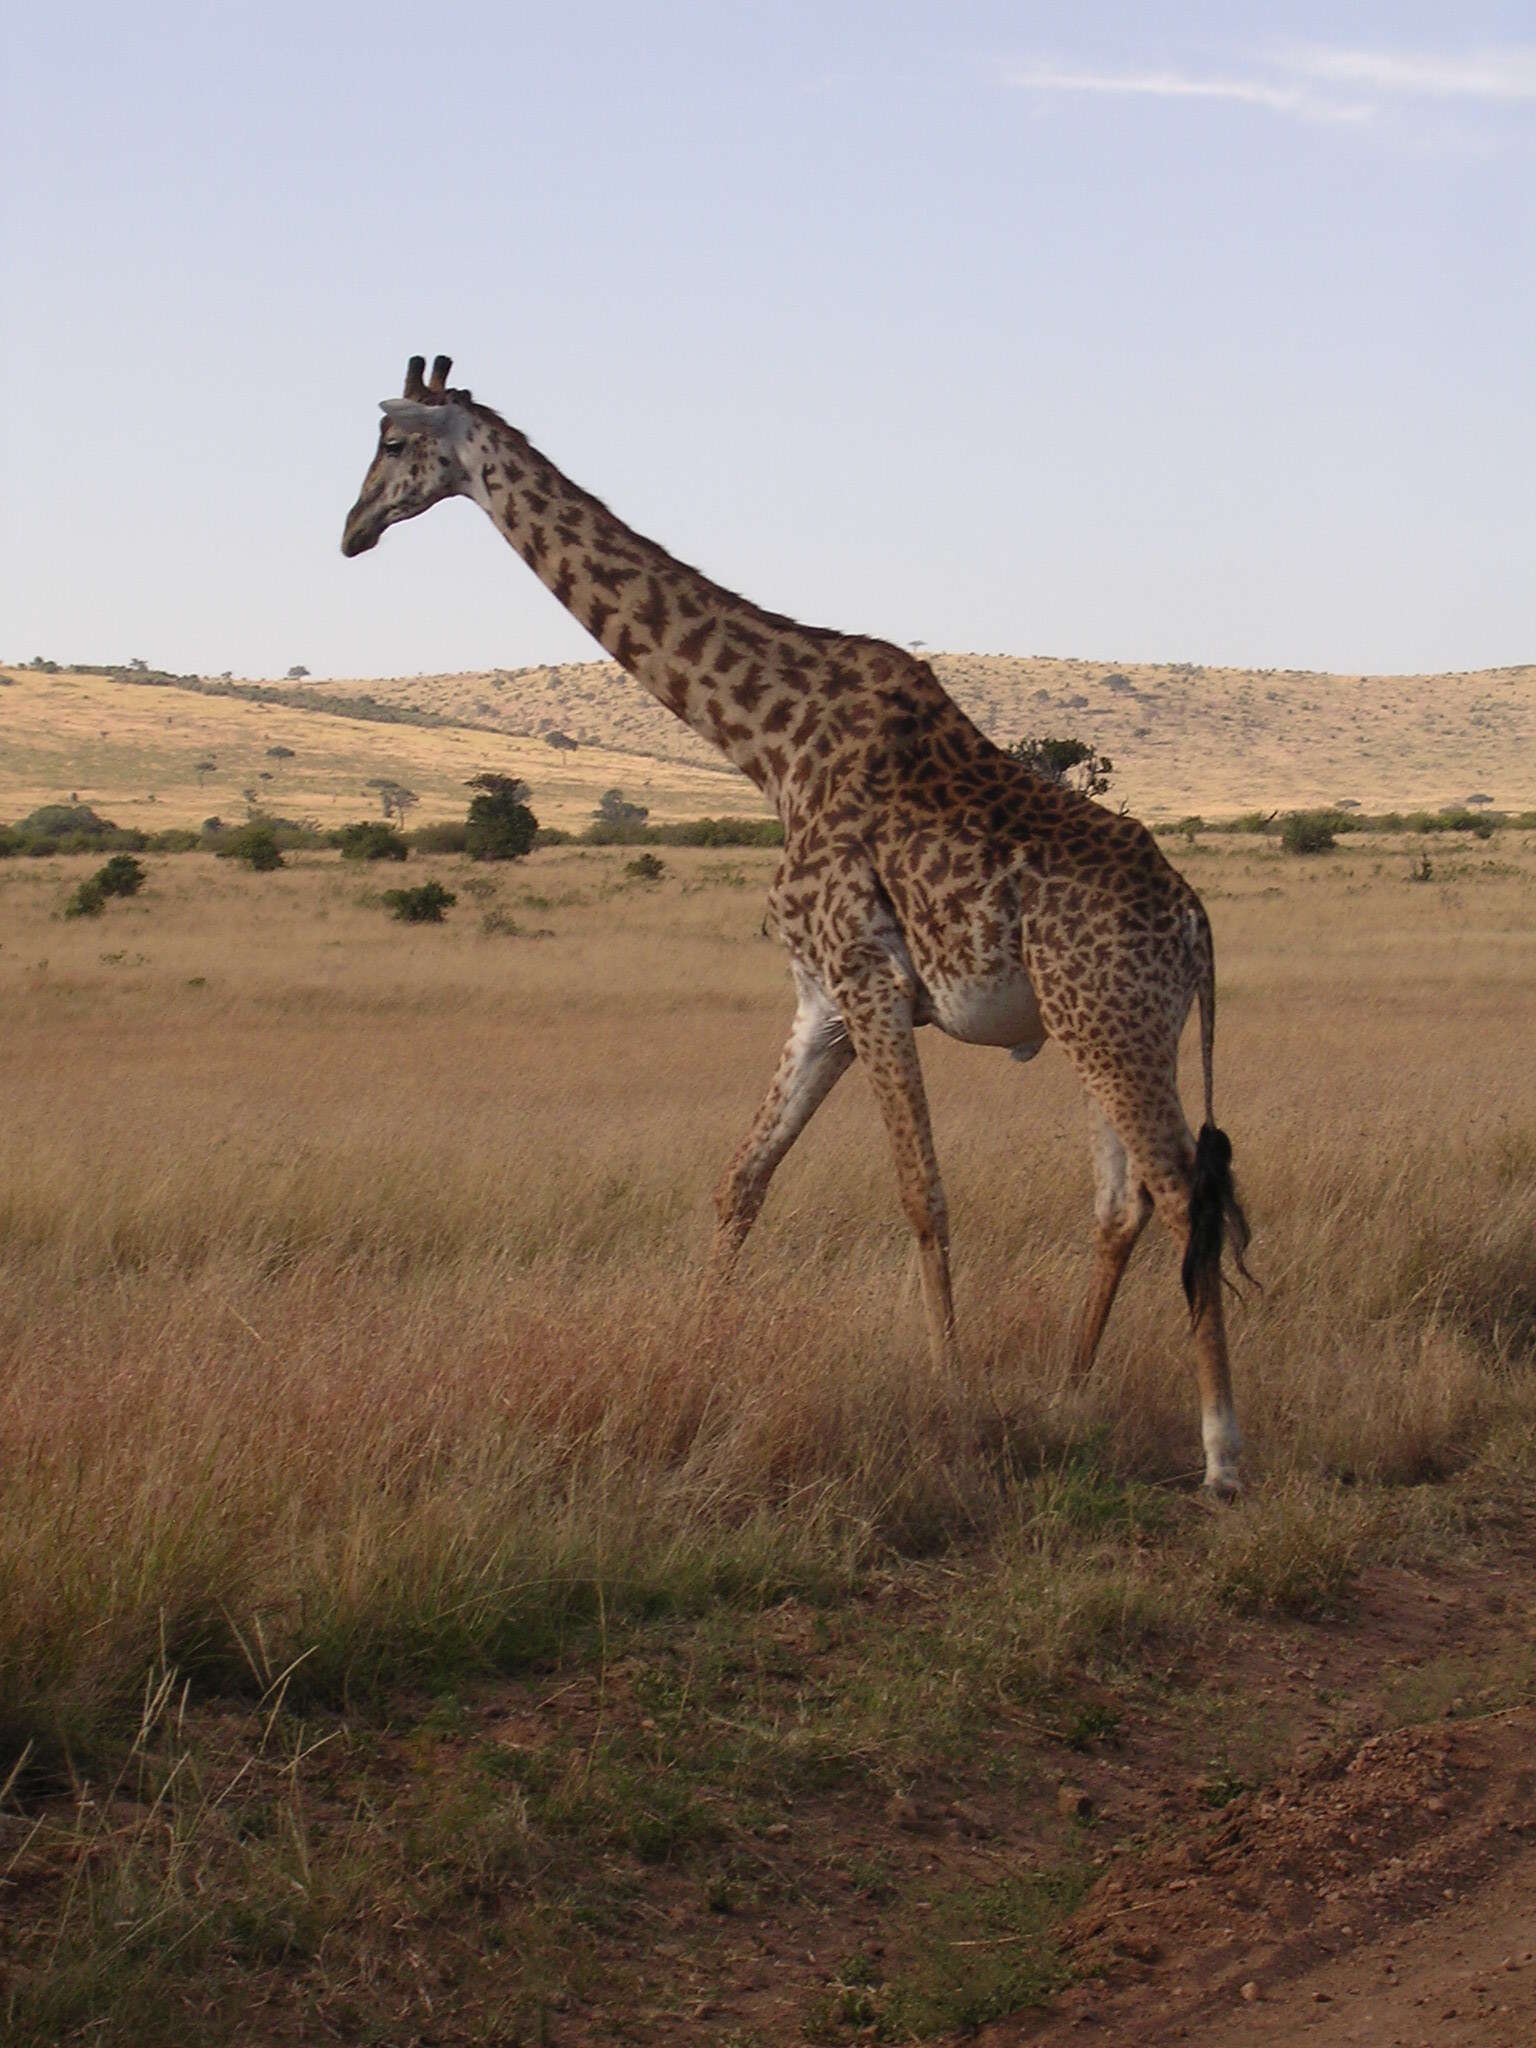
926,878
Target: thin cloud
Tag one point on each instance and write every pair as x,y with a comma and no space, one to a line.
1279,98
1508,74
1314,82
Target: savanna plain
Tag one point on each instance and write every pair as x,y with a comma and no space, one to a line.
423,1619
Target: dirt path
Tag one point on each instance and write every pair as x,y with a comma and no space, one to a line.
1383,1894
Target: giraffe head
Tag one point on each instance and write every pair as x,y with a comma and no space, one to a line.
419,459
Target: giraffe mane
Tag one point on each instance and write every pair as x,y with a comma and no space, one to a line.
657,556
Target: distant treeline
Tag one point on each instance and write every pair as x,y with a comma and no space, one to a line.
76,828
1482,824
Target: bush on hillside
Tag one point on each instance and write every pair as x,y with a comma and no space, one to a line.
447,836
63,821
89,899
256,845
424,905
500,825
1069,763
371,839
122,875
1307,832
614,808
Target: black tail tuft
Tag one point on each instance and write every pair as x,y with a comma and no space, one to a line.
1215,1215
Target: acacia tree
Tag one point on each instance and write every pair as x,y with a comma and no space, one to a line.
1070,763
395,800
614,808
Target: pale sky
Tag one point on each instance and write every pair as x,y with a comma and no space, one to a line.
1191,332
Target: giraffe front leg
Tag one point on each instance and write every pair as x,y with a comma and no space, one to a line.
878,1014
815,1056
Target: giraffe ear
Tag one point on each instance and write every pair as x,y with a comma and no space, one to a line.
411,417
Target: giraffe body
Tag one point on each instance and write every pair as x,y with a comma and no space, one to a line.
927,877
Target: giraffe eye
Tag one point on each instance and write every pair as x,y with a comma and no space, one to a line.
393,447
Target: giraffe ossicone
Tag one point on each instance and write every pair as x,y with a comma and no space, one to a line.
927,878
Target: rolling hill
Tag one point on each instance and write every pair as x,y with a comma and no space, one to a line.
1217,741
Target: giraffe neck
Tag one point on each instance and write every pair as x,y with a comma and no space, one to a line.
719,663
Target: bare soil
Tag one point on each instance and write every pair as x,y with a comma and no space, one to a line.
1381,1890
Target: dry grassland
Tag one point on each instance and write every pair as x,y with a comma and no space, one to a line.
349,1352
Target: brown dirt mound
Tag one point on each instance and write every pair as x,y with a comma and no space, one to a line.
1384,1894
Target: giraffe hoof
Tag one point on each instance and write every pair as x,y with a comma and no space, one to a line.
1222,1488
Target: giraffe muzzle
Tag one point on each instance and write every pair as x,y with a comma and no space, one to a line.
361,532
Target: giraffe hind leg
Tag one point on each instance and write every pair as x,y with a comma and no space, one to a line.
1122,1206
1160,1152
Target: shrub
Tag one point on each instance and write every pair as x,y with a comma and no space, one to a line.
291,833
450,836
370,840
717,832
175,839
1307,832
11,841
116,838
256,845
423,905
614,808
500,825
89,900
122,876
606,834
645,867
1071,763
60,821
74,828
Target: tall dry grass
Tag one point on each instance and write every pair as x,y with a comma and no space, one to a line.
348,1273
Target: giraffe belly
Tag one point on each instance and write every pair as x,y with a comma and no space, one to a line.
994,1012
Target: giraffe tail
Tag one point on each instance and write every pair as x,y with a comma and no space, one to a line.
1216,1216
